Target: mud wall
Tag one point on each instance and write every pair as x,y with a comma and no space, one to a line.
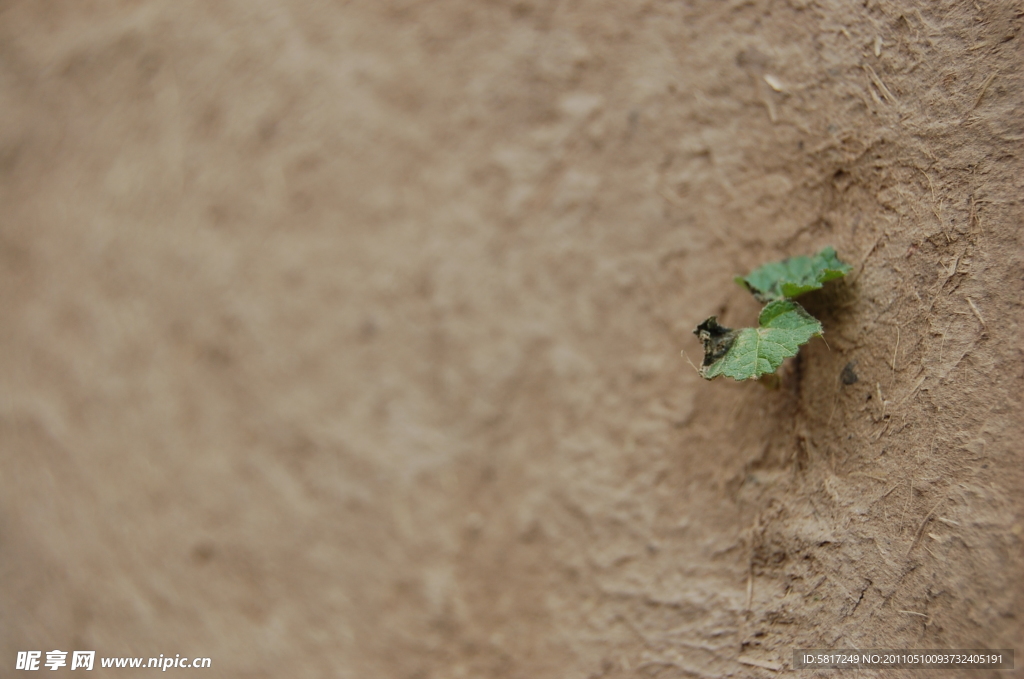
343,338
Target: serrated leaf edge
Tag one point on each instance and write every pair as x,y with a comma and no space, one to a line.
828,253
735,334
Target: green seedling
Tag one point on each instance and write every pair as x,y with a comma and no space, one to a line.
783,326
794,276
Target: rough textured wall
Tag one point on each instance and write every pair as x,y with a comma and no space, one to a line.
342,338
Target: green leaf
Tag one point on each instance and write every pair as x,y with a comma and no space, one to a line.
749,353
794,276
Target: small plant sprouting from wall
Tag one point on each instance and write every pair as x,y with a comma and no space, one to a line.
783,325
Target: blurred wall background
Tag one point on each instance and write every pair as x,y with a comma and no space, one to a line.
342,338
